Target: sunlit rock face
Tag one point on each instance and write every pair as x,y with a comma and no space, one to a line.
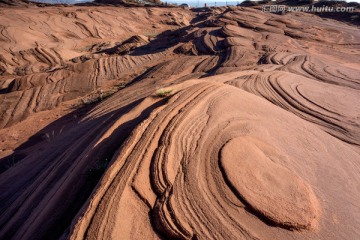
229,123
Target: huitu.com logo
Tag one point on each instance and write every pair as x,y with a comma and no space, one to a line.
309,8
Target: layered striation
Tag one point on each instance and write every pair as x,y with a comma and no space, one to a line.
228,123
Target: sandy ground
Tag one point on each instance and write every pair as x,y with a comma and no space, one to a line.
163,123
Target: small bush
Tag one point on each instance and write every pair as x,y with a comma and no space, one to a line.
163,92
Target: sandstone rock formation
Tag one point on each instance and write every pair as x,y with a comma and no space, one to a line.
255,136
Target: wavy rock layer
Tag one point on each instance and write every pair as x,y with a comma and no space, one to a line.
70,53
240,125
250,170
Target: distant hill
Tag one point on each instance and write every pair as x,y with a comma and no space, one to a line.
126,2
13,3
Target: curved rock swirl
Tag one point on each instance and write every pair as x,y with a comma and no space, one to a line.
316,68
240,160
197,176
306,98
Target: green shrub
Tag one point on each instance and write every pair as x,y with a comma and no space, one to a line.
163,92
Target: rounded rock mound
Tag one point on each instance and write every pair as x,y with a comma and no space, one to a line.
273,192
